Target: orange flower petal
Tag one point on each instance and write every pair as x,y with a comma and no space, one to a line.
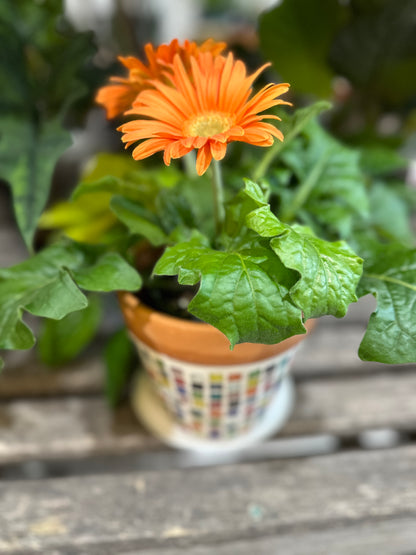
147,148
140,74
218,150
203,102
203,159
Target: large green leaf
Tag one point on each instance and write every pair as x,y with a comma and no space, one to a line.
40,62
41,285
44,286
28,154
391,332
240,292
329,272
296,36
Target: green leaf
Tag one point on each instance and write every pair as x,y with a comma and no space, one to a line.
240,292
42,58
376,50
44,286
174,210
119,355
391,332
296,37
62,340
380,160
41,285
337,181
88,219
247,200
40,65
105,164
109,272
291,126
28,154
329,272
389,212
139,220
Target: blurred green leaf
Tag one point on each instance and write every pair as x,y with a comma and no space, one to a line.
119,357
337,181
28,154
291,126
391,332
62,340
376,50
139,220
296,36
44,286
389,213
87,219
41,59
379,160
40,62
108,273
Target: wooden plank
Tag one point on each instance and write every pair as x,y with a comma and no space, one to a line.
25,376
77,426
349,405
69,427
109,514
389,537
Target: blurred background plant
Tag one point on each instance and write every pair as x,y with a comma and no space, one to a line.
358,54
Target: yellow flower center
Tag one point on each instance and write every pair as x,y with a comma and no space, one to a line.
207,125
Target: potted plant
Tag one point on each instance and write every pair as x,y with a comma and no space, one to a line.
275,237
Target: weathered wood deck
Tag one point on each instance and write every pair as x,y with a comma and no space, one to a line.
339,479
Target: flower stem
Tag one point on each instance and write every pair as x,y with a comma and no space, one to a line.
189,161
305,189
218,194
267,159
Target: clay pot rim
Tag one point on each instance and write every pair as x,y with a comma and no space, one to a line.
204,344
130,300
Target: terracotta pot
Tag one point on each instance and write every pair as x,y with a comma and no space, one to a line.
212,392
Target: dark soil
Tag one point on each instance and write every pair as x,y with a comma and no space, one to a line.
164,294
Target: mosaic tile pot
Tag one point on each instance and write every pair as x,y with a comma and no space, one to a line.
211,392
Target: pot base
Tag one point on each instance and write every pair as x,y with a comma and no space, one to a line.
154,416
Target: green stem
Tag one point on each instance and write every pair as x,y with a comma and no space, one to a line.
268,159
396,281
305,189
218,194
299,124
189,161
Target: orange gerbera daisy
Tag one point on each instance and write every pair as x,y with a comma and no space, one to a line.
204,109
119,97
